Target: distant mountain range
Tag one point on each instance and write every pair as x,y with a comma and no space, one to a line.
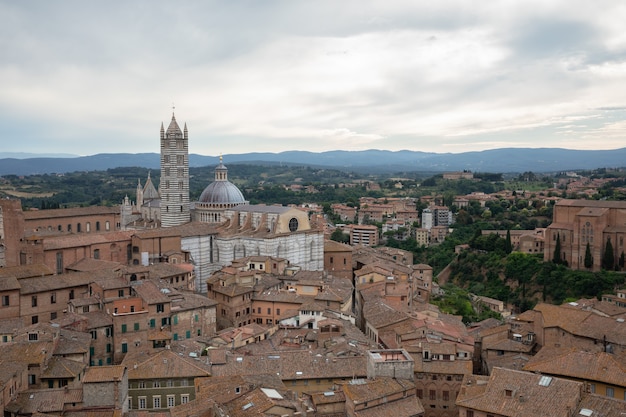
505,160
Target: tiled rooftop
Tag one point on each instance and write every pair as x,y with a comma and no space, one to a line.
104,373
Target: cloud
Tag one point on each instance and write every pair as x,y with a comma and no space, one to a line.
90,77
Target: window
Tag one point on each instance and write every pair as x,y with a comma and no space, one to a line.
184,398
152,323
141,384
124,347
71,294
170,383
33,301
5,300
94,334
35,319
108,348
142,403
160,308
420,393
136,326
130,403
432,395
171,401
610,392
33,336
156,384
96,253
120,293
123,328
446,395
32,379
469,413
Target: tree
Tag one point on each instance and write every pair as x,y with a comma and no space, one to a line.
339,236
521,267
556,258
588,257
608,261
508,247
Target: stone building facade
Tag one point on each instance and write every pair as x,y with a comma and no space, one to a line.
578,223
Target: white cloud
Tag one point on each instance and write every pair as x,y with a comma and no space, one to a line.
88,78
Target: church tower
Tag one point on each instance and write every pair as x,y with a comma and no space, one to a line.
174,185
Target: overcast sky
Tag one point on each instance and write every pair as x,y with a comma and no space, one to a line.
87,77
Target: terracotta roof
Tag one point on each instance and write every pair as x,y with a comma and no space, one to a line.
104,373
149,292
90,264
162,364
588,366
292,365
11,325
509,345
521,394
363,391
58,367
49,283
85,239
44,401
9,283
70,212
25,271
404,407
72,342
333,246
601,406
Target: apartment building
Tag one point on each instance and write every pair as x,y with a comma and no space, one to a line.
365,235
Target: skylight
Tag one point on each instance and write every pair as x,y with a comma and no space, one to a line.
545,381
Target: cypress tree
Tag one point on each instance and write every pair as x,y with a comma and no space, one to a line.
588,257
608,261
556,258
508,247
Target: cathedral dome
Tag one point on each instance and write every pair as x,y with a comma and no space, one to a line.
222,192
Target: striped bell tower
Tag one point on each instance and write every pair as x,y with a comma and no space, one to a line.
174,185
